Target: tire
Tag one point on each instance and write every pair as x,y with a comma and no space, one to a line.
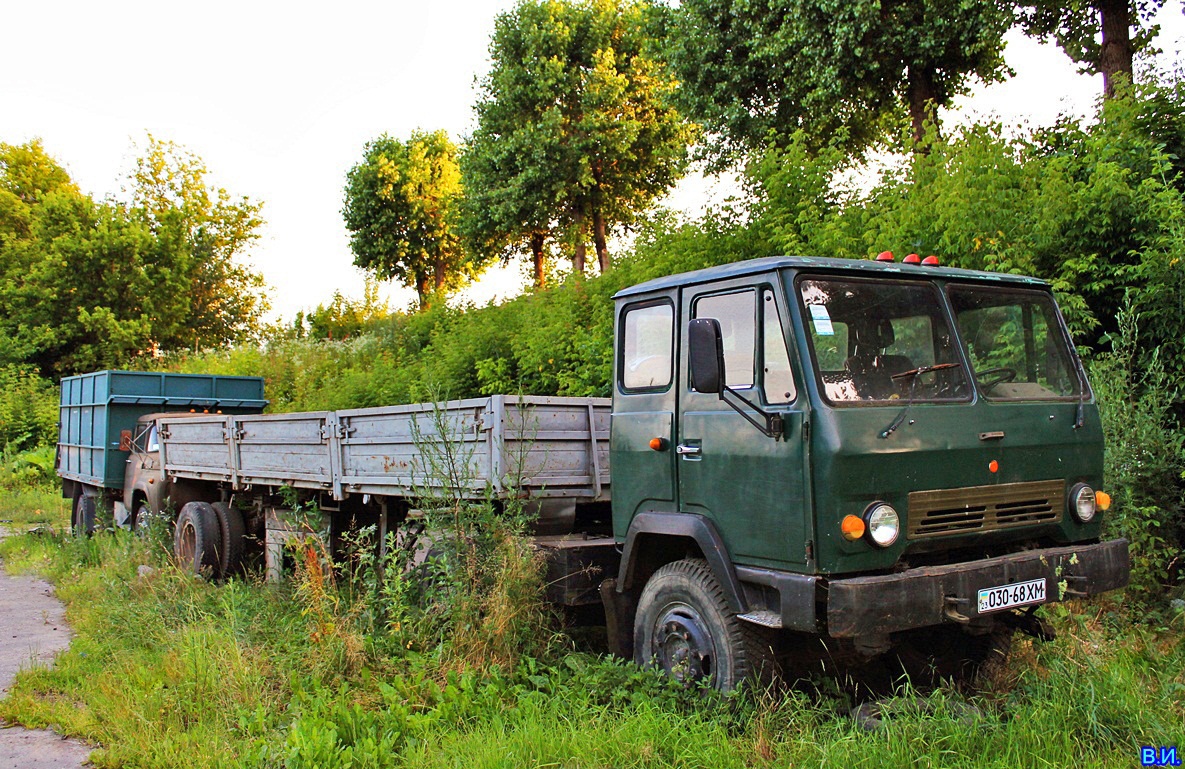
230,540
195,538
82,522
685,628
143,515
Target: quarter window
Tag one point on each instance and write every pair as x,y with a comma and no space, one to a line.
778,381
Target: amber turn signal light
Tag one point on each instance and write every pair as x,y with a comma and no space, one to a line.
658,444
1103,500
852,527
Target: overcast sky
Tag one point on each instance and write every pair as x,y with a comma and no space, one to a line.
279,102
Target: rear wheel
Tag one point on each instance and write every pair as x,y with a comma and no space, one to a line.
83,519
195,538
231,531
685,627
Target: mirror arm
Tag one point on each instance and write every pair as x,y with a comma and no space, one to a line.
774,425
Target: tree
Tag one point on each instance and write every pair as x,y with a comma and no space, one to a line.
1076,25
201,231
401,210
86,284
576,131
344,317
758,72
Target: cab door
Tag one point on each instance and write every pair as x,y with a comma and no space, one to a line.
644,409
753,487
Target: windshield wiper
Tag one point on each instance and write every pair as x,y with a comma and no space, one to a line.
913,375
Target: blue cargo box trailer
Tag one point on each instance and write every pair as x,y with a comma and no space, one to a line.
98,412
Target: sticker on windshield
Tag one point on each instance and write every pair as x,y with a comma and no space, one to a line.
821,320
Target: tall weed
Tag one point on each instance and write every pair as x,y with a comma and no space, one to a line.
1145,457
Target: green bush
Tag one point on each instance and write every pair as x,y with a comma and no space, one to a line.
28,410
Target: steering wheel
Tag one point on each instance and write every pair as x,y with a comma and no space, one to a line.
1004,374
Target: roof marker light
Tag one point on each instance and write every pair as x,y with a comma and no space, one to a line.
930,261
912,259
885,256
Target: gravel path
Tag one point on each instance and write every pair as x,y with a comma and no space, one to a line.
32,631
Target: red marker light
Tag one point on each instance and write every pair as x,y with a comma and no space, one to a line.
994,466
912,259
930,261
885,256
658,444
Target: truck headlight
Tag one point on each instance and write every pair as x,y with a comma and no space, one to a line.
883,524
1082,503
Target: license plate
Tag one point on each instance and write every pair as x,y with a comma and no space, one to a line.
1007,596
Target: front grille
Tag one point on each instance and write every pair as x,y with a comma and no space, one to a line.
984,508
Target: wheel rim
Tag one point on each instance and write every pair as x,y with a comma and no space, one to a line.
682,646
188,543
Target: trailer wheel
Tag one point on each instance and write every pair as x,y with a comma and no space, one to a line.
195,539
231,529
83,520
685,627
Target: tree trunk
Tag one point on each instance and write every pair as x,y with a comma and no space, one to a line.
422,290
580,253
579,256
599,239
439,275
1115,57
537,257
922,104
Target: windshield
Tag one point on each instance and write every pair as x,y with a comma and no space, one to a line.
1015,343
881,341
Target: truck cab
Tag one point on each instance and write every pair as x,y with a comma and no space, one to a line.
847,449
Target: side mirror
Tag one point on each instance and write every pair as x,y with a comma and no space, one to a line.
706,351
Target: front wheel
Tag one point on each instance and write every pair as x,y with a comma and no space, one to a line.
685,627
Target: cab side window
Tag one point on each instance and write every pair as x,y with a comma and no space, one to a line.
647,341
736,313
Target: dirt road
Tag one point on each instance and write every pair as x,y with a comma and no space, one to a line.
32,631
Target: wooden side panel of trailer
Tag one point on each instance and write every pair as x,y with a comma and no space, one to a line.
546,447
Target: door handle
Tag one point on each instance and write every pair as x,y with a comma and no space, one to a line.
685,450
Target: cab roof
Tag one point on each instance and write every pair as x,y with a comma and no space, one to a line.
865,267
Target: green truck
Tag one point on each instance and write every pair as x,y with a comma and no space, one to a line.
800,454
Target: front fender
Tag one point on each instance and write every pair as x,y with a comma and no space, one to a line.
654,528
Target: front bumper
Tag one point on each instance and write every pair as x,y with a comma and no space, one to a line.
932,595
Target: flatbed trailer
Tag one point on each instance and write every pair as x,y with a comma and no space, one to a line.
550,454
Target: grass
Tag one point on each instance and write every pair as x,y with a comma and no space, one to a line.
33,505
171,671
